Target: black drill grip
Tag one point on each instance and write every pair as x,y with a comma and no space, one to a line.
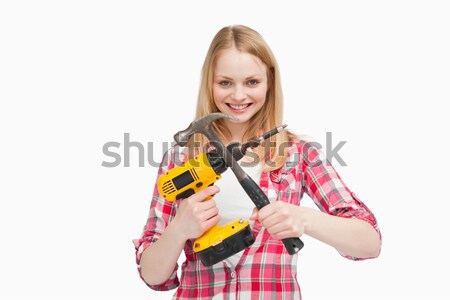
292,245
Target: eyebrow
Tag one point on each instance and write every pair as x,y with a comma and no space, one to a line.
246,78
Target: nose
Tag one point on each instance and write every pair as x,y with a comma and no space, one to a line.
238,94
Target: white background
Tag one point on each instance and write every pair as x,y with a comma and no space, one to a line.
75,75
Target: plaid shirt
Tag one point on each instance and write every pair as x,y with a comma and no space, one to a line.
265,269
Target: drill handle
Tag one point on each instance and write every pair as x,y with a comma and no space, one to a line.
292,245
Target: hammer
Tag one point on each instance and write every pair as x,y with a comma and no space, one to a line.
204,126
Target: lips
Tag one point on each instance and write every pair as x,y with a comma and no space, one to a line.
238,107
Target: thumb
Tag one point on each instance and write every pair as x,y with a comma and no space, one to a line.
254,215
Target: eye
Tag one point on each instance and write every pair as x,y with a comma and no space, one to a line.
252,82
225,83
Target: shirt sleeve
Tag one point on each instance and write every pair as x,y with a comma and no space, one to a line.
324,186
161,213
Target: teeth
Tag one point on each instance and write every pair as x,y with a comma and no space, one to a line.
239,106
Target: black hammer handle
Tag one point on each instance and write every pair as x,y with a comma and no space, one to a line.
293,245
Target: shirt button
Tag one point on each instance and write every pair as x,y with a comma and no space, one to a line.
264,189
233,274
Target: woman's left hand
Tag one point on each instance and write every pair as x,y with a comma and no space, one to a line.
282,220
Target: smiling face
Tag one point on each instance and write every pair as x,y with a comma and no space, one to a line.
240,85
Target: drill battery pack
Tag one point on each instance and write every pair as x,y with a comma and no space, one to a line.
223,241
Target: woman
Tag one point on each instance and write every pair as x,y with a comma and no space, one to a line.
240,78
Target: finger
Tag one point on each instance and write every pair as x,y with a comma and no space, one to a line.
208,214
277,229
209,191
273,220
211,222
284,235
254,215
207,204
266,211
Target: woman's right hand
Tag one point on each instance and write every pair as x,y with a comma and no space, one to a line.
194,216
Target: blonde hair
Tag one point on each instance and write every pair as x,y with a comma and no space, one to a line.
270,115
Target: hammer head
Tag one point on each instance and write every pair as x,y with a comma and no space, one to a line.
201,125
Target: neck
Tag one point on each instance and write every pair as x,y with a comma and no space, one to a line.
237,131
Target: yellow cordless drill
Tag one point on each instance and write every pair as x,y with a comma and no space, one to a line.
219,242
